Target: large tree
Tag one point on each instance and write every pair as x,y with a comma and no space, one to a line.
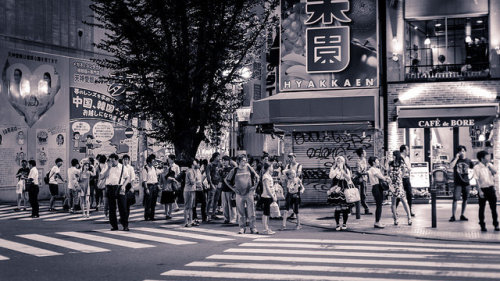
179,58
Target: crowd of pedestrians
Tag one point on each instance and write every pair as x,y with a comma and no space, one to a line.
236,187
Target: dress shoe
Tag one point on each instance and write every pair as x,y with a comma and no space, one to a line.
114,228
463,218
126,229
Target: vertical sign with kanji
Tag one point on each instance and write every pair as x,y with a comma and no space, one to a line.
328,44
327,47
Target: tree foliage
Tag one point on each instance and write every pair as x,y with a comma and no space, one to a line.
179,59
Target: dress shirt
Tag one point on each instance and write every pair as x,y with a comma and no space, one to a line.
34,175
483,175
114,175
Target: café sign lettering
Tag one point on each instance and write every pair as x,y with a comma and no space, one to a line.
441,122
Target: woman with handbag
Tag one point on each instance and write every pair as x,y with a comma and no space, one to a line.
267,198
396,171
293,188
168,185
341,181
377,181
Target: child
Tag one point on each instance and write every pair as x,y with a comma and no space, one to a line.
168,185
293,188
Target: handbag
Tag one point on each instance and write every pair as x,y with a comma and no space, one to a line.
275,210
384,185
278,189
119,189
130,197
352,194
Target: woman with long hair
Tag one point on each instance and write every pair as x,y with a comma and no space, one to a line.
341,179
396,169
84,182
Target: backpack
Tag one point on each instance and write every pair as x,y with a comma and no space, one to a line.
46,179
252,176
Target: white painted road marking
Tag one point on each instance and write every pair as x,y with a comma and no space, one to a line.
26,249
64,243
112,241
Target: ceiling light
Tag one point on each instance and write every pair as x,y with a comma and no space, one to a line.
479,21
427,41
415,27
437,24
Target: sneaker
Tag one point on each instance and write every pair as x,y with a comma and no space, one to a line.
344,226
187,225
452,219
298,227
282,228
254,231
242,230
396,222
463,218
126,229
378,225
338,228
497,228
195,224
409,221
215,217
412,214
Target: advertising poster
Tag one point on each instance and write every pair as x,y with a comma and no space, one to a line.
50,145
31,82
13,147
328,45
95,126
419,175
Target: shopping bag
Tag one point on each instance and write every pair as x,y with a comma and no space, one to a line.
275,210
352,195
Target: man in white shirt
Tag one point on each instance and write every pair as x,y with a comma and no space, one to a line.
33,188
117,178
483,173
73,187
54,175
150,184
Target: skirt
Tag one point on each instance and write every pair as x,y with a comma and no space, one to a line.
167,197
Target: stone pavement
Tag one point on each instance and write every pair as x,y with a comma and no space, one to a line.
422,223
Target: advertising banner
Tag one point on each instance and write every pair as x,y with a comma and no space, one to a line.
50,145
95,126
328,44
13,149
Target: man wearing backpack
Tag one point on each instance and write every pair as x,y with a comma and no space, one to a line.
243,181
53,176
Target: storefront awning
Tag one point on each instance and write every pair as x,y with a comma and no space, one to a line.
316,109
446,116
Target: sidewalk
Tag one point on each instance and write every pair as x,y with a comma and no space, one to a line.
421,227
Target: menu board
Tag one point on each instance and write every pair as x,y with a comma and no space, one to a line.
419,175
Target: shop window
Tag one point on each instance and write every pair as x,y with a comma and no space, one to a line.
481,136
446,49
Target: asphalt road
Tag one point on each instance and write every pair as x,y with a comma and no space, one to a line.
65,247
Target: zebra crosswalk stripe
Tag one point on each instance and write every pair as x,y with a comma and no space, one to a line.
26,249
148,237
45,216
265,276
343,269
369,248
68,216
212,231
19,215
392,243
183,234
328,253
64,243
3,258
107,240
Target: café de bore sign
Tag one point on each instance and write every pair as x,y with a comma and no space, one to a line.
433,122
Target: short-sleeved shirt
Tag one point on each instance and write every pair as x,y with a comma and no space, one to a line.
73,174
114,175
461,171
267,179
483,176
150,175
374,175
223,174
34,175
131,172
24,172
52,174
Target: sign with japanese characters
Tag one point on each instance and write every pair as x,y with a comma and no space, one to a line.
328,44
90,104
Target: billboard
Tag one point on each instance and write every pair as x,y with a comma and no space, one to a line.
328,45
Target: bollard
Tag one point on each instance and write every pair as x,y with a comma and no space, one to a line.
433,204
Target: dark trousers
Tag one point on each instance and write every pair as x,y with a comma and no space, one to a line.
33,196
490,196
201,197
150,198
345,215
408,191
113,200
378,194
362,193
98,196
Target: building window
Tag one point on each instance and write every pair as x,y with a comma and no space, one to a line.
446,49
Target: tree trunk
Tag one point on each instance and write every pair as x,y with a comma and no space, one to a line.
186,146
